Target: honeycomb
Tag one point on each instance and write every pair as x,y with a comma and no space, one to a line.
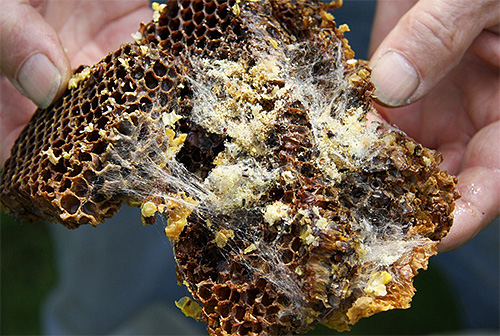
244,126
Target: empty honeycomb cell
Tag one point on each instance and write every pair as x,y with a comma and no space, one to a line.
159,69
211,21
80,187
239,313
245,328
82,157
65,184
197,5
162,99
210,7
84,220
235,296
174,25
151,81
89,208
84,108
214,34
97,197
89,175
49,190
45,173
205,292
210,306
94,102
59,168
267,300
198,17
189,28
176,37
186,14
70,203
74,171
224,309
296,244
259,309
287,256
223,293
227,327
190,41
257,328
200,33
146,104
250,295
222,11
118,97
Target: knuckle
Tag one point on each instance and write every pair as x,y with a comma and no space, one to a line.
435,30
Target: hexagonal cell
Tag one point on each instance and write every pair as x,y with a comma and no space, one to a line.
174,25
159,69
227,326
287,256
84,220
214,34
210,306
210,7
199,17
223,292
89,208
80,187
187,13
250,295
245,328
266,299
70,203
146,104
211,21
151,80
176,37
238,313
185,3
189,28
224,308
205,292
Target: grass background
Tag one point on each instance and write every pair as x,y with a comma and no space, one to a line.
28,273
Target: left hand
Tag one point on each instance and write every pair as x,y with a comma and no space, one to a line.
67,34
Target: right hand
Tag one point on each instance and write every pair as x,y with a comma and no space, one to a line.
442,58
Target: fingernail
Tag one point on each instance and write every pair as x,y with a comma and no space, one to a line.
39,79
395,79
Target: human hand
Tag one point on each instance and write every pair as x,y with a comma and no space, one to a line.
443,58
40,41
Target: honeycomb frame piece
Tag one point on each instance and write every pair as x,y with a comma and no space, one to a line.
245,124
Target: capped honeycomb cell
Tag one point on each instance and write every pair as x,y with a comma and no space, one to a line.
244,124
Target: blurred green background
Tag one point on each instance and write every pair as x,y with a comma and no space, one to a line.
28,273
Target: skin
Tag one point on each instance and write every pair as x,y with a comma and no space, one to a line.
453,45
456,107
53,27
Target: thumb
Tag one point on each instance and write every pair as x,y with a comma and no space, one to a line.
427,42
31,55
